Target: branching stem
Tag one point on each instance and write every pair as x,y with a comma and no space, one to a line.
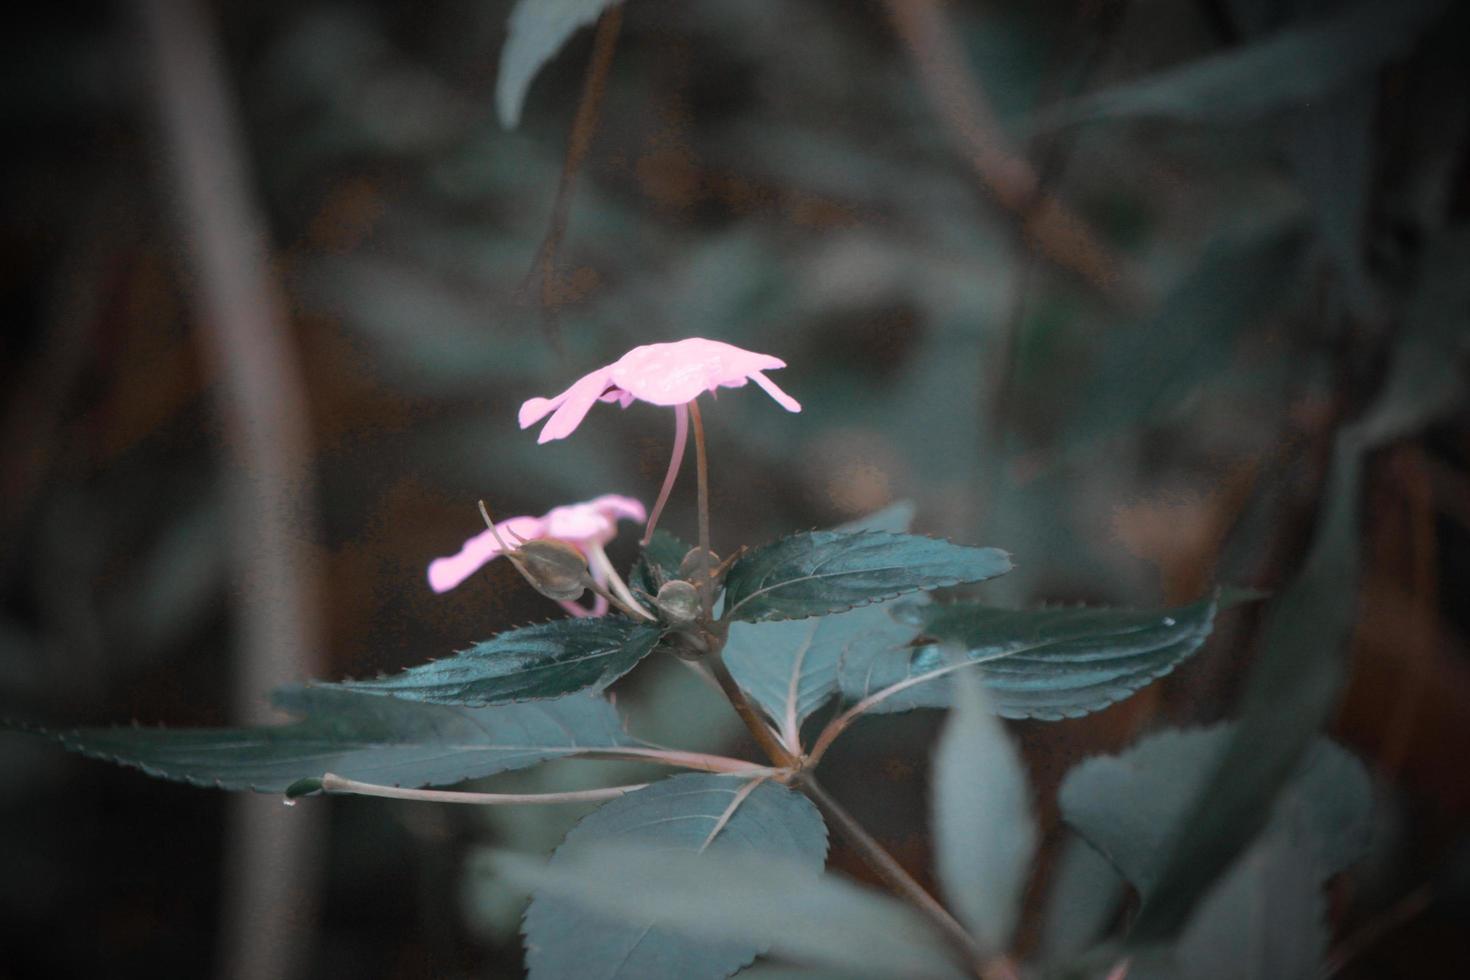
761,731
892,873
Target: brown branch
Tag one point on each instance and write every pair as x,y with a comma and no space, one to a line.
584,127
965,112
270,851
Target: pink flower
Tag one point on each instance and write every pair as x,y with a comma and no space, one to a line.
673,374
586,526
660,374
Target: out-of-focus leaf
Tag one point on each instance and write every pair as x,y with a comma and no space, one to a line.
1427,376
538,29
1289,694
747,899
542,661
790,667
1265,920
1330,147
571,933
896,518
1085,894
373,739
1132,807
1149,369
424,334
984,834
1291,68
819,572
1035,663
659,562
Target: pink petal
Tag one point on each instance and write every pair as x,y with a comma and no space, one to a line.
770,388
447,573
576,402
679,372
614,505
533,410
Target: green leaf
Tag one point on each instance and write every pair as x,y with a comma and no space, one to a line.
658,563
1291,68
538,29
373,739
542,661
1039,663
569,933
1133,807
984,834
1265,920
1086,891
737,901
819,572
790,667
1290,693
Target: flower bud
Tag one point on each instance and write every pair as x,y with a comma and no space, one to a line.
679,603
689,568
554,568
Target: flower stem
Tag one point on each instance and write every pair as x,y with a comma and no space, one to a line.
706,586
681,439
332,783
892,873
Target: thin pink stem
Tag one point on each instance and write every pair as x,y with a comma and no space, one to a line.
681,439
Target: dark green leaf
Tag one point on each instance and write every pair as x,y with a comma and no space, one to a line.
1291,68
542,661
1040,663
790,667
1132,807
569,933
984,834
373,739
819,572
538,29
731,900
659,562
1289,695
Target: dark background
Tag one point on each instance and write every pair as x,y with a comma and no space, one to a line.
1119,350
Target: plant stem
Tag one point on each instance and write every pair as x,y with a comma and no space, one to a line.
332,783
681,439
892,873
706,587
752,718
678,757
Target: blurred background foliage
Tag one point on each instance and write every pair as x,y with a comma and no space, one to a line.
1095,282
